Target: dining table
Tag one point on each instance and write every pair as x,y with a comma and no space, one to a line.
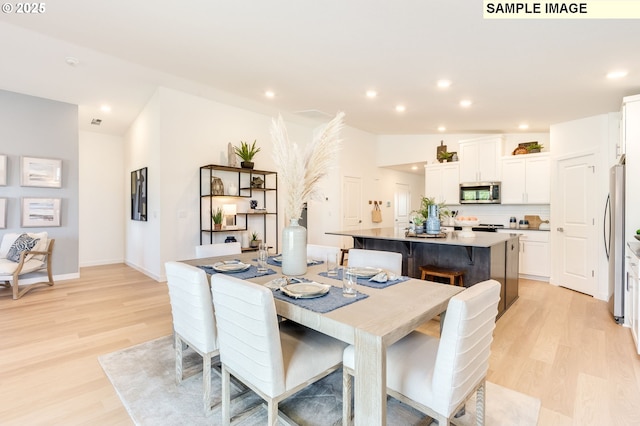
373,321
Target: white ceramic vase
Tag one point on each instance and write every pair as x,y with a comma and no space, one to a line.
294,249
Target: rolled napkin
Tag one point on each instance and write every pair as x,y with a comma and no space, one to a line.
384,276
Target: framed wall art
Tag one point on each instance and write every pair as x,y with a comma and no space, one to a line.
3,213
3,170
41,172
139,194
40,212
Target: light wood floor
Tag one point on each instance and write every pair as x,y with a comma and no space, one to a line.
554,344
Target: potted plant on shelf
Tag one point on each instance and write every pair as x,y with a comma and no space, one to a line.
534,147
255,242
217,219
246,152
445,156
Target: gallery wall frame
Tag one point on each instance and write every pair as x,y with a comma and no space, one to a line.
41,212
3,170
3,213
41,172
139,194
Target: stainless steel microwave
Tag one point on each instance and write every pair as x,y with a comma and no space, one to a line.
480,193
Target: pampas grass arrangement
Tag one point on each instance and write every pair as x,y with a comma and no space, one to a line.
300,173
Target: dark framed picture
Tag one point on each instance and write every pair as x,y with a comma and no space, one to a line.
139,194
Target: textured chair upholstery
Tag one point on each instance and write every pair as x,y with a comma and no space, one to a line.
194,323
36,259
388,260
218,249
318,252
437,376
274,359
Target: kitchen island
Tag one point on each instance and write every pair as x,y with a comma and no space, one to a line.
486,255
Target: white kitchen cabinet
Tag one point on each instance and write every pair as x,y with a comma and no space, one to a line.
480,159
526,179
633,294
442,182
535,258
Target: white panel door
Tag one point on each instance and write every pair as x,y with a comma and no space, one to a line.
576,228
402,205
351,207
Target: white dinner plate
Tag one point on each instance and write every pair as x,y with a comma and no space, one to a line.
365,271
225,267
305,290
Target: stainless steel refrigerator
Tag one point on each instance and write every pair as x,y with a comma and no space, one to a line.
615,241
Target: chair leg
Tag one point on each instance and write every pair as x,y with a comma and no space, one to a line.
206,382
347,390
272,410
178,349
226,397
480,404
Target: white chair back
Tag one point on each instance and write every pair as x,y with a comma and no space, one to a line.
191,305
388,260
319,252
248,332
218,249
465,344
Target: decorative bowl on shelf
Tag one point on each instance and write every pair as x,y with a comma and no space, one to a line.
637,237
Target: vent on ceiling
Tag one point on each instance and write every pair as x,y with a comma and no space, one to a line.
314,114
96,121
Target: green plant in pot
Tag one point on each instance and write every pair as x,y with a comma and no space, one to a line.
217,219
445,156
246,152
534,147
255,242
425,202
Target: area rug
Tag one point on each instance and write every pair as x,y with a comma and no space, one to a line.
143,376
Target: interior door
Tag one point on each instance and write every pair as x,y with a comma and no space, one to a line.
402,205
575,230
351,207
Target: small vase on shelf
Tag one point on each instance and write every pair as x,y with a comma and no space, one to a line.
294,249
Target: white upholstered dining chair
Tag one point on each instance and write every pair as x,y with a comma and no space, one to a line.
274,359
218,249
194,323
436,376
320,252
388,260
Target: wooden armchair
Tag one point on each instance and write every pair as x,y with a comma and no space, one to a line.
36,259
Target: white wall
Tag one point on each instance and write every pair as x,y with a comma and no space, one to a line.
101,224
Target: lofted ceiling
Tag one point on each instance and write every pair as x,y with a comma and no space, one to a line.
319,57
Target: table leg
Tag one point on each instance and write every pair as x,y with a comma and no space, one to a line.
370,381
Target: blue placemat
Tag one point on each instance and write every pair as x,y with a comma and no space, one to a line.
327,303
271,261
252,272
365,281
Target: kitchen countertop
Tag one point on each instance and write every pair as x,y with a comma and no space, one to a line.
481,239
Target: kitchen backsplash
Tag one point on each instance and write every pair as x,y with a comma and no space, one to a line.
500,214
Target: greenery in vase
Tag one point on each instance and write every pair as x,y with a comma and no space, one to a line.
444,155
430,201
217,216
254,236
246,151
535,146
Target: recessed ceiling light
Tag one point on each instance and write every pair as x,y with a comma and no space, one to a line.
617,74
523,126
442,128
371,93
105,108
443,84
270,94
71,61
465,103
401,108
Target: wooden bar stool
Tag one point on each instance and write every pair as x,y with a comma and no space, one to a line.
435,271
344,252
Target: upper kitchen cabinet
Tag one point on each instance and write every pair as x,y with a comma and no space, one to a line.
526,179
442,182
480,159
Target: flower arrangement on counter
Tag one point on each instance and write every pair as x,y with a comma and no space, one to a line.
299,173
